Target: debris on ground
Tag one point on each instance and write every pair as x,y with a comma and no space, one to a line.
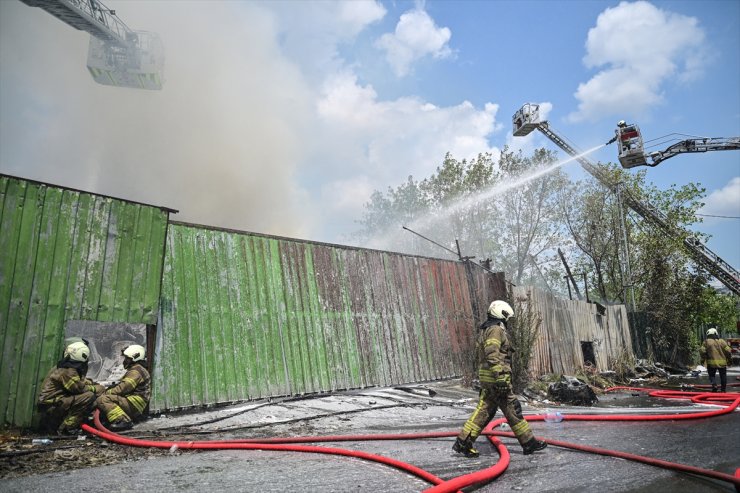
19,456
571,390
316,415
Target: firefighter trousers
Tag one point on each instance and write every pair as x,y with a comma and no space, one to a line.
489,402
712,371
118,408
66,413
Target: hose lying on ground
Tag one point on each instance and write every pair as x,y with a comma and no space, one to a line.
729,401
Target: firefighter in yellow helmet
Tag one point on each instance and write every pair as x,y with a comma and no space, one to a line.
128,399
494,372
67,396
716,355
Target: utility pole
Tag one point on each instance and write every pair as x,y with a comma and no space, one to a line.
585,287
537,268
629,289
567,283
569,275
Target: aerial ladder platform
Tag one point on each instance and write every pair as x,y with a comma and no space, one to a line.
632,147
527,119
117,55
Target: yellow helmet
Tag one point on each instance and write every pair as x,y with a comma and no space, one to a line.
501,310
77,351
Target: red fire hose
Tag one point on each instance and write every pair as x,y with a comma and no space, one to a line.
729,401
103,432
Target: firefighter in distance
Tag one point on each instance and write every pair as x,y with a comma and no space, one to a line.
716,356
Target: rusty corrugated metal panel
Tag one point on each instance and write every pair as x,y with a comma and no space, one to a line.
565,323
247,316
66,254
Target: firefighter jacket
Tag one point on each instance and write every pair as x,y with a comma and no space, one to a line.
494,353
134,386
715,352
68,378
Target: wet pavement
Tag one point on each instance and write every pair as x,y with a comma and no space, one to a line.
708,443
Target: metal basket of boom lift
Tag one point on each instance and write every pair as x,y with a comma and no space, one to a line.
632,153
631,146
632,149
117,55
526,119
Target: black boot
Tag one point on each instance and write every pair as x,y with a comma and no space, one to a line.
121,425
465,447
533,446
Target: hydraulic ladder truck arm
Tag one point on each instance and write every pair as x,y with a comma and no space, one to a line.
117,55
632,148
527,119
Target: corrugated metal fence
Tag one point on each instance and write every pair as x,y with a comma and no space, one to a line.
241,315
568,323
67,255
246,316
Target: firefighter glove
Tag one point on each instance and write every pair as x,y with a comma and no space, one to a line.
503,383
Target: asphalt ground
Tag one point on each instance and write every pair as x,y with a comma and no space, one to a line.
712,443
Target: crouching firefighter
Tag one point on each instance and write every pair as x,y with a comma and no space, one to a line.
494,372
128,399
67,396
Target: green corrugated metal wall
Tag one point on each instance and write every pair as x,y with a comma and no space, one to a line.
67,255
246,316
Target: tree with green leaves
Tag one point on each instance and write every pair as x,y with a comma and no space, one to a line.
503,210
517,210
527,219
668,287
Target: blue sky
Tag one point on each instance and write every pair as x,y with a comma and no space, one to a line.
282,117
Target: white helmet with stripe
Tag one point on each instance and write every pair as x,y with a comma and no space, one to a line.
135,352
501,310
77,351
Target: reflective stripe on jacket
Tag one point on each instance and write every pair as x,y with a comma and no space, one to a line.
715,352
494,353
61,382
135,383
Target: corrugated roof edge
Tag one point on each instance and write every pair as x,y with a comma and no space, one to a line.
161,207
300,240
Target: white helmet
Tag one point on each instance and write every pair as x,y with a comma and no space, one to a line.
501,310
77,351
135,352
622,123
712,332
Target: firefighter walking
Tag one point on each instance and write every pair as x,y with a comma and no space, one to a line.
128,399
67,396
716,356
494,372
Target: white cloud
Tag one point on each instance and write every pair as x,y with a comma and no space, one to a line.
384,142
404,136
724,201
311,32
415,37
357,15
638,48
347,196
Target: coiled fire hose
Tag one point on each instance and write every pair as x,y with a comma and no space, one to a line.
729,401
